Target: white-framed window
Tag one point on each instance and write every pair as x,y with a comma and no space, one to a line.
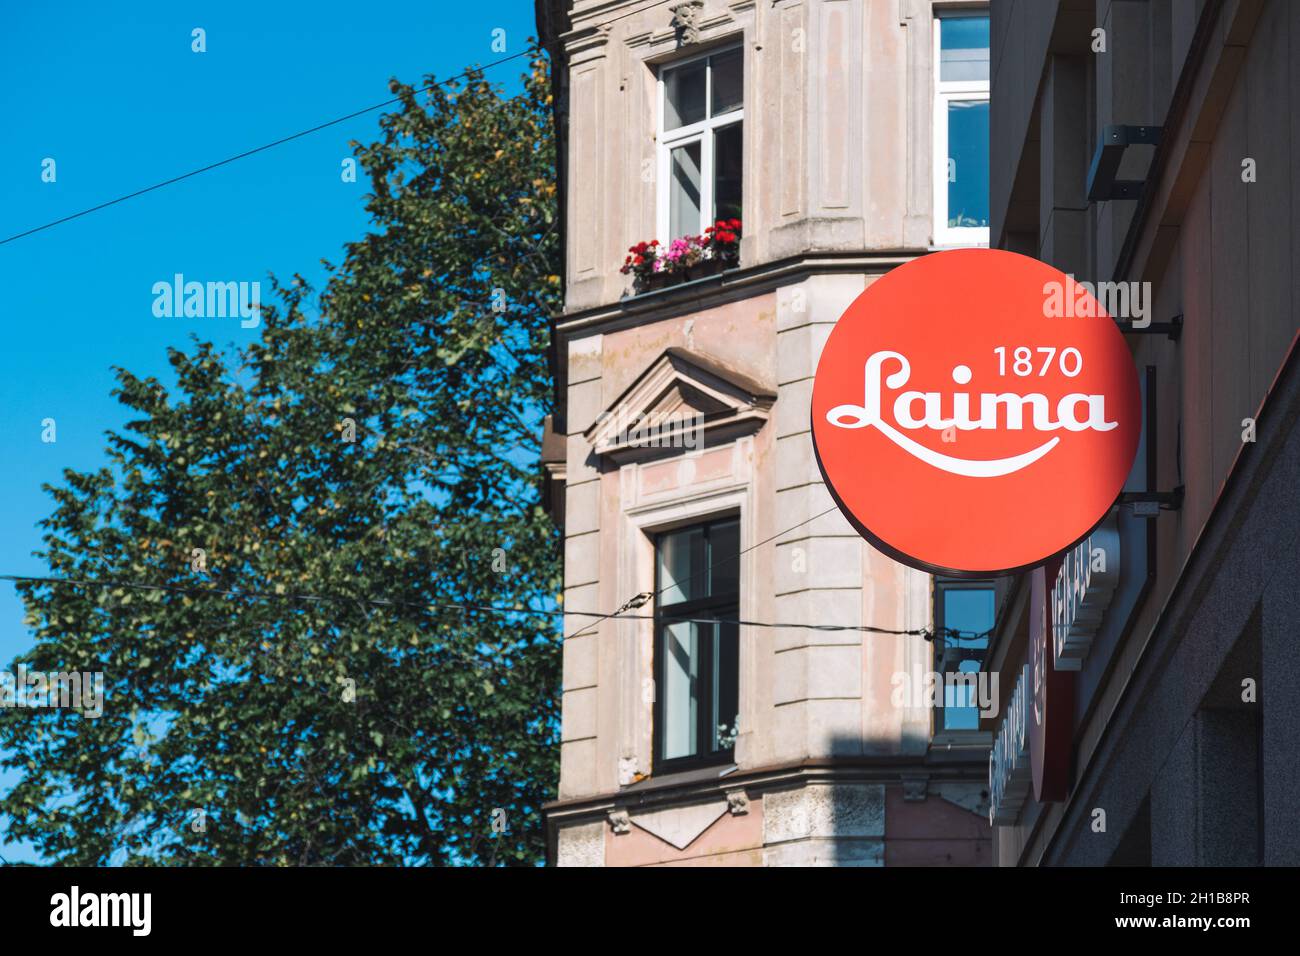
697,644
961,127
701,134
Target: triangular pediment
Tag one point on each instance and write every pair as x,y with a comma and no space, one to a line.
682,401
680,826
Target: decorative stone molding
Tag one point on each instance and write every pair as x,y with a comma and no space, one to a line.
586,43
972,797
680,826
688,25
737,802
686,21
835,811
581,845
915,788
683,400
620,822
839,824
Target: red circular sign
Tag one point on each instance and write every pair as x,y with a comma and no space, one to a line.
975,412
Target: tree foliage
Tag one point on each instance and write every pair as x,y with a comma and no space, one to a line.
278,729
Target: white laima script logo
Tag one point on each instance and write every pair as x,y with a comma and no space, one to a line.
868,416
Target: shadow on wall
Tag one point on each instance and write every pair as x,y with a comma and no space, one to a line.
855,820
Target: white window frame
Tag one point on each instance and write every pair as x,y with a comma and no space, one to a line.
945,93
701,132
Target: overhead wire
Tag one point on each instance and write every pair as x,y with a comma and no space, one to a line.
530,51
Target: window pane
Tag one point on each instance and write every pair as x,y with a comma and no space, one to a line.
726,684
969,610
968,163
681,566
681,670
728,92
697,660
964,49
684,95
684,191
727,170
724,565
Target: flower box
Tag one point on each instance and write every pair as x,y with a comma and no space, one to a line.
658,280
704,269
687,258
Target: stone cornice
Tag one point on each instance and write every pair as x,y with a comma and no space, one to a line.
585,43
947,768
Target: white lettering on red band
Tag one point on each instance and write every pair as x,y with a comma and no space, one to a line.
869,415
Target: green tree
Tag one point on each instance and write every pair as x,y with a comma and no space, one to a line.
379,441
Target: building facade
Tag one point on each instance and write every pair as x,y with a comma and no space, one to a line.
736,711
1155,147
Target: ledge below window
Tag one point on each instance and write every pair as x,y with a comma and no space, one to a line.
700,275
680,778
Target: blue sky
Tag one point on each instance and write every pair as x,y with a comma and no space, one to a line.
116,96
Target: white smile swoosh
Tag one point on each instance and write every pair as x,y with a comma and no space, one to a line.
990,468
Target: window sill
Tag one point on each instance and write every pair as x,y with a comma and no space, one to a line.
957,244
681,777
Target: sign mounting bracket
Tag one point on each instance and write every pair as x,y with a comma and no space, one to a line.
1149,504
